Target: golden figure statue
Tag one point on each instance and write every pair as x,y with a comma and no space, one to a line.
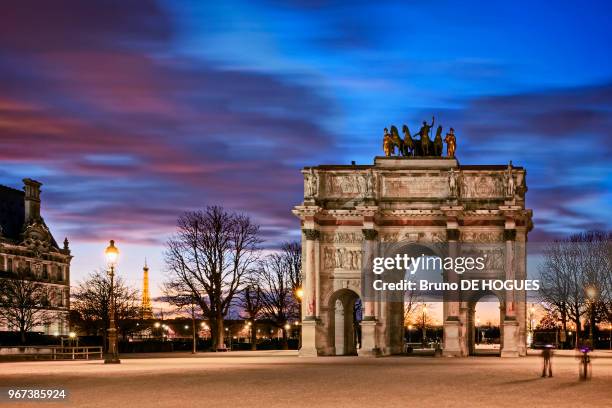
451,143
387,143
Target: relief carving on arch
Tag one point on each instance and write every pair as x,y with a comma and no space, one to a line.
412,186
482,237
435,236
389,237
353,284
482,186
494,256
349,185
341,258
343,237
494,259
429,236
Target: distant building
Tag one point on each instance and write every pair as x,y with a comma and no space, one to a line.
146,310
26,244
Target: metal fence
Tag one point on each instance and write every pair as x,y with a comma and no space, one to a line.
51,353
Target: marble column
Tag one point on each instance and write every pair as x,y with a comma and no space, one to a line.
511,327
309,323
452,323
521,296
369,346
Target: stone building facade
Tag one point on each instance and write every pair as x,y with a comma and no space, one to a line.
27,244
350,211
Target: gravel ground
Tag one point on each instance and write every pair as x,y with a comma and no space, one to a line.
281,379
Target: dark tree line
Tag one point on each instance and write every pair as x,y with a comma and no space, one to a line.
275,282
214,267
91,303
215,260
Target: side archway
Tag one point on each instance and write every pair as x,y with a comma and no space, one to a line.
344,317
485,316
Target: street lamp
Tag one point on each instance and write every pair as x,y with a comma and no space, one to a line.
424,320
287,327
591,292
299,294
112,355
531,314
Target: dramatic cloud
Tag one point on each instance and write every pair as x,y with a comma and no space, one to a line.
561,137
129,136
132,112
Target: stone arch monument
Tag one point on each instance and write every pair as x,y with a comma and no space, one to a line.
349,211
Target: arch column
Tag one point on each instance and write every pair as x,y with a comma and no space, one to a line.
369,345
310,321
454,342
511,326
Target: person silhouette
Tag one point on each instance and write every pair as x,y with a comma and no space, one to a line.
547,353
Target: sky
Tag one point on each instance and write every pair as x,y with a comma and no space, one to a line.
130,113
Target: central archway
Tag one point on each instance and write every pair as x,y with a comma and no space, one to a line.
409,314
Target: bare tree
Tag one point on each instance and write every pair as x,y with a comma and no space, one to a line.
411,298
22,302
91,304
555,272
280,304
208,258
420,316
604,252
251,303
575,277
596,273
550,321
292,254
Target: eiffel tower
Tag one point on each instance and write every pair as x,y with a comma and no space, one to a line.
146,310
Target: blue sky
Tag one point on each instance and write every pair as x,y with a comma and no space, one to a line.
132,112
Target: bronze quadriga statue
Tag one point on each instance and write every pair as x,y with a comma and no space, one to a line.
421,147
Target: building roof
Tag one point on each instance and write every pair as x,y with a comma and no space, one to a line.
12,212
13,216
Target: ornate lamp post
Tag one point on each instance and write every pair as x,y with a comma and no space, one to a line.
112,356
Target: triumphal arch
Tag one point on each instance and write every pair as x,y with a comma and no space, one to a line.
350,212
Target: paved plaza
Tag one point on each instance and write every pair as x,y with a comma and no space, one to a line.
281,379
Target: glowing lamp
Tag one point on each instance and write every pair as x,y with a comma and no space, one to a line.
112,253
